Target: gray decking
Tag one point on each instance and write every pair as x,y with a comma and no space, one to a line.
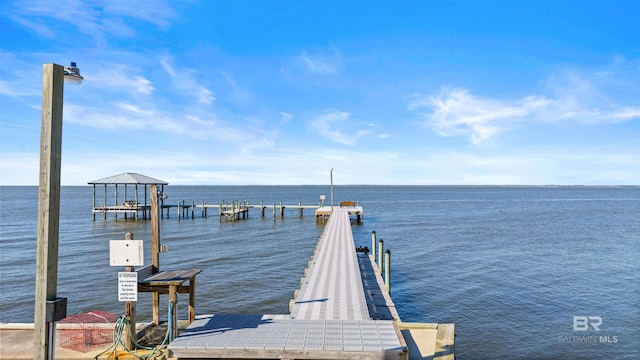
330,317
276,337
332,288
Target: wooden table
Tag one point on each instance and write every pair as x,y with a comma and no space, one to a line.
173,283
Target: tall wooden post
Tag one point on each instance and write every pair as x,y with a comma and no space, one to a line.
155,229
387,270
105,202
380,254
130,311
48,206
155,247
93,210
115,203
137,203
145,202
373,245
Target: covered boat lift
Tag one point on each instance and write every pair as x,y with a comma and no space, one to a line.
125,205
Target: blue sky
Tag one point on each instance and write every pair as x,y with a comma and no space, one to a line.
280,92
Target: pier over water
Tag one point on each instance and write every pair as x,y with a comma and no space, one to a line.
333,288
336,314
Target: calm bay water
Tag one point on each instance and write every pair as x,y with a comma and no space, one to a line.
510,266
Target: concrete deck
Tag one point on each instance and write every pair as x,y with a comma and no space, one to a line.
17,339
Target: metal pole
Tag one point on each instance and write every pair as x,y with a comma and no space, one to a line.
331,189
48,206
51,354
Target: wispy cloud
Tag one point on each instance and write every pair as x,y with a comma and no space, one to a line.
16,89
454,112
184,82
579,98
17,77
319,64
33,24
156,12
122,116
120,78
130,116
590,98
330,126
94,18
325,125
285,117
238,95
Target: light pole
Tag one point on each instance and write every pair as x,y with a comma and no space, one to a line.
48,307
331,175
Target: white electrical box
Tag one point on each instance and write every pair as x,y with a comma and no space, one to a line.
126,253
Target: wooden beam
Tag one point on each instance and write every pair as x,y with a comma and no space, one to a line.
48,204
155,247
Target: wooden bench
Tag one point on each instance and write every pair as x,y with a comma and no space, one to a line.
169,282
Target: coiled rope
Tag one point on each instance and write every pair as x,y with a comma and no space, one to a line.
121,324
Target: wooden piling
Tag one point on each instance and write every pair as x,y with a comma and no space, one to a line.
380,253
373,244
387,270
129,311
115,202
155,246
48,206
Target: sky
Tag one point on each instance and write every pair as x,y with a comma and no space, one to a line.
280,92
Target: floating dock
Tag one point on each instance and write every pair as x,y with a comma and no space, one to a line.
341,311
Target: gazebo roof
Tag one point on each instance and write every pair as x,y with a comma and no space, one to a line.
129,178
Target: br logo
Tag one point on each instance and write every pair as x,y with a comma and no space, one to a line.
582,323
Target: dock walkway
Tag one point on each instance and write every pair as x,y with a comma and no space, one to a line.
333,288
330,317
342,311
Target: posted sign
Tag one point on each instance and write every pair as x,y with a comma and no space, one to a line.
128,286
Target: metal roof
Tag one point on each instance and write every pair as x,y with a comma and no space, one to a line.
129,178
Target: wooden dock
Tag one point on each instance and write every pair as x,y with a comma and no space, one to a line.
341,311
225,210
352,208
128,211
